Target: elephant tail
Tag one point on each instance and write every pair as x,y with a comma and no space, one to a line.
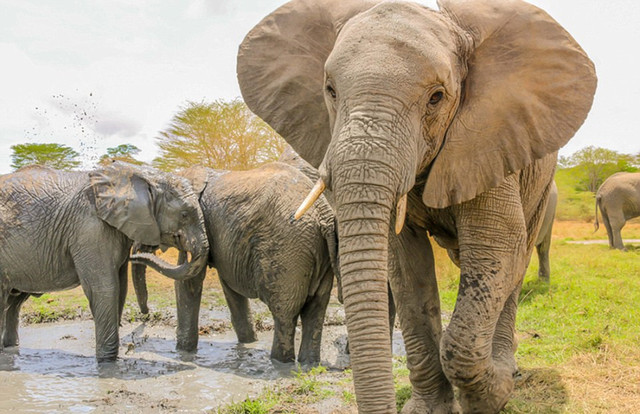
596,225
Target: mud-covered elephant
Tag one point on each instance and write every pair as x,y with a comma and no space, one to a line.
260,251
543,241
60,229
449,118
618,199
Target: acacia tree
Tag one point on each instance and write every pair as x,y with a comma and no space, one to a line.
58,156
593,165
221,135
123,152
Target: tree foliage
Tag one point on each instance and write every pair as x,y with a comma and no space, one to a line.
123,152
221,135
592,165
58,156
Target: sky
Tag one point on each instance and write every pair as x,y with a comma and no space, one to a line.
96,74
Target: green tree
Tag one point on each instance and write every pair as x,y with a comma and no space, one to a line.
593,165
60,157
123,152
221,135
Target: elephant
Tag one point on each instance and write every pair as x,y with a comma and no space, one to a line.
260,252
618,199
61,229
543,241
444,120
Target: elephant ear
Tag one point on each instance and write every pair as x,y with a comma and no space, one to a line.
528,89
123,198
281,70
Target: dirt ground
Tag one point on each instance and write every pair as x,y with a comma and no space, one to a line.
54,369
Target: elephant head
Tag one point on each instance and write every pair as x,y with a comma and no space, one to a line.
384,96
153,208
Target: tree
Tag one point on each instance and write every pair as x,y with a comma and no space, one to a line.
221,135
123,152
60,157
593,165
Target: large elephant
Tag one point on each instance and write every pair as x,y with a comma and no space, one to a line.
618,198
59,230
452,118
543,241
260,252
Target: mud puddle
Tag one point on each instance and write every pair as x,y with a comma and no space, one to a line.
54,370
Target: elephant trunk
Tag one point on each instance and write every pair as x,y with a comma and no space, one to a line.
363,210
197,246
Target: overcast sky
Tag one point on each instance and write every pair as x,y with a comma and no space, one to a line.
95,74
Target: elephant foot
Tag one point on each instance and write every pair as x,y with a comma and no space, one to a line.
309,359
495,396
419,405
187,346
247,337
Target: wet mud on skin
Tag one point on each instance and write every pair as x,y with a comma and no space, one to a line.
54,369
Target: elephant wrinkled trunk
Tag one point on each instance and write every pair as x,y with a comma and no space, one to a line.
364,214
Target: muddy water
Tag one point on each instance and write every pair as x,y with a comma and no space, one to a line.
54,370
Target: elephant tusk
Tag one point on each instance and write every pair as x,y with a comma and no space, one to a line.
401,212
316,192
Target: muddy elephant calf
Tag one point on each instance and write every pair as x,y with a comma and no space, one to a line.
260,251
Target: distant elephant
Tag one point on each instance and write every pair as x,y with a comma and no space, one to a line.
449,118
543,242
618,198
60,229
260,251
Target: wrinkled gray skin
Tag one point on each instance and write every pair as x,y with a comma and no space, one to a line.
543,241
59,230
462,109
260,251
618,199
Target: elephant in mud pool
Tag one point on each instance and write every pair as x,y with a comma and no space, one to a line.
60,229
618,199
260,251
447,121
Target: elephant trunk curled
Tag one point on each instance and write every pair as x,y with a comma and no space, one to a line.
197,246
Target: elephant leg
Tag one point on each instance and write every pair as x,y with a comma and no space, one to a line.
312,317
140,286
494,250
12,318
123,285
188,297
282,348
240,314
544,268
415,290
607,226
104,302
617,221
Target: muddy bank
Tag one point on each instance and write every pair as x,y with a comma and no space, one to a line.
54,369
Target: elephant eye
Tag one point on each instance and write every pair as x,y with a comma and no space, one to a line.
184,214
435,98
331,91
